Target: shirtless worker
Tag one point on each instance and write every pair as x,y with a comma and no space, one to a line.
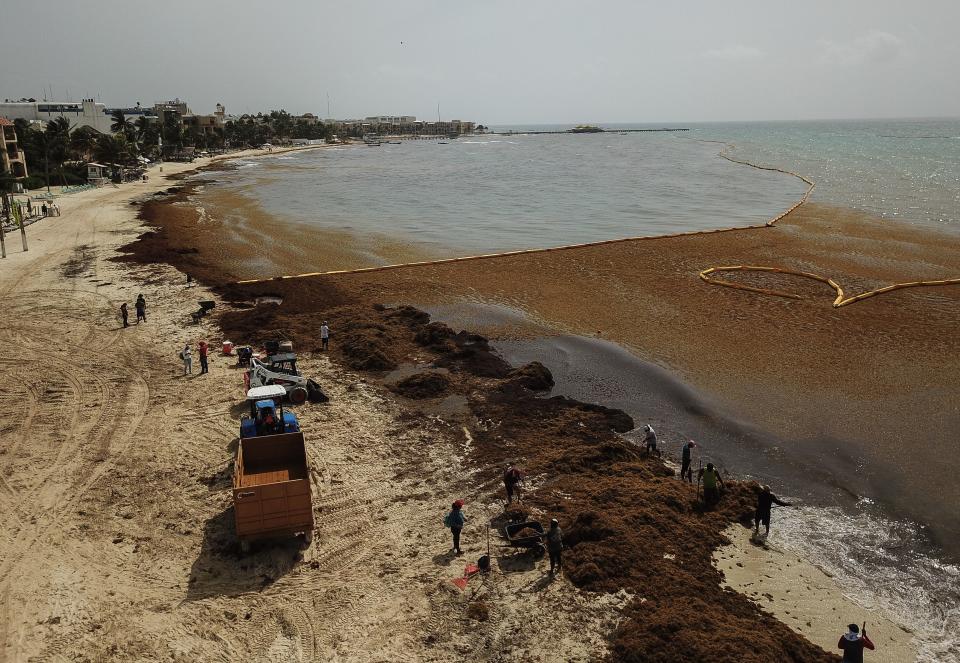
765,500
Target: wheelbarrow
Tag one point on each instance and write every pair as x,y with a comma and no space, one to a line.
534,542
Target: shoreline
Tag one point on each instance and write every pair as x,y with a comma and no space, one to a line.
394,300
804,596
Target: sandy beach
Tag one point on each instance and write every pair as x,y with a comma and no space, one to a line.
117,528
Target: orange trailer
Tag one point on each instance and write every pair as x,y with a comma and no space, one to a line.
271,488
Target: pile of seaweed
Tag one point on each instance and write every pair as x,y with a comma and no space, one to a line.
628,520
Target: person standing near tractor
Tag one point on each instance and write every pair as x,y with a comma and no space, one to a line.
141,308
455,520
202,351
324,335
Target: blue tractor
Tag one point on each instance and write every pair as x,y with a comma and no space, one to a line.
267,416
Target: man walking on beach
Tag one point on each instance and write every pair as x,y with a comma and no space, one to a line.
711,484
202,348
124,314
555,545
324,335
853,643
512,476
685,469
765,500
651,440
141,308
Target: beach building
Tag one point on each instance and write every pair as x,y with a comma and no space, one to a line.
11,156
87,113
187,119
308,118
401,125
97,173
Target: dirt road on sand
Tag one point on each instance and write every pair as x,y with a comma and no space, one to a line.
116,533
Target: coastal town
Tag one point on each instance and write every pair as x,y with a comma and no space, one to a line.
64,142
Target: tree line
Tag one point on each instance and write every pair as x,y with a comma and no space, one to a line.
57,153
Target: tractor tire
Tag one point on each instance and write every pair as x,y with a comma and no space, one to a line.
298,395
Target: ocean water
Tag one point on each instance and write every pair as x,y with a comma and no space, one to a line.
499,193
906,170
495,193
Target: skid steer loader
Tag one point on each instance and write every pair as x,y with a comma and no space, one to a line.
281,369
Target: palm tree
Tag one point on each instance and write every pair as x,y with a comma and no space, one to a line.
58,131
121,124
83,142
113,149
143,126
40,143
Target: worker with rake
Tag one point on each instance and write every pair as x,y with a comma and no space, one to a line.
512,478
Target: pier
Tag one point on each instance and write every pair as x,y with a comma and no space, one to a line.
571,131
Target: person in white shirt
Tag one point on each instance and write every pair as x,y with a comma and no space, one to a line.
187,356
651,440
324,335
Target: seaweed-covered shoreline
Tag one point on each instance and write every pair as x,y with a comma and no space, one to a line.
629,522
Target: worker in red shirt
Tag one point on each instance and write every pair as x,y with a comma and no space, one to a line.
853,643
202,347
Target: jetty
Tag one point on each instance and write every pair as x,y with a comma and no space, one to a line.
517,132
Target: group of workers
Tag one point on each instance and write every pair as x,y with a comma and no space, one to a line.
853,643
140,305
186,355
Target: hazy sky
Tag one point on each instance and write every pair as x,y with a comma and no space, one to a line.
496,61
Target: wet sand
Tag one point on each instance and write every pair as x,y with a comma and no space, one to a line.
804,597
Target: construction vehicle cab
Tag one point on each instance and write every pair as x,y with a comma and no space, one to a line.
267,416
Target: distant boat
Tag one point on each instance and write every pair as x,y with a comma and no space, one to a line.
586,129
372,141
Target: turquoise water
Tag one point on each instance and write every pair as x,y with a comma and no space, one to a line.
905,170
